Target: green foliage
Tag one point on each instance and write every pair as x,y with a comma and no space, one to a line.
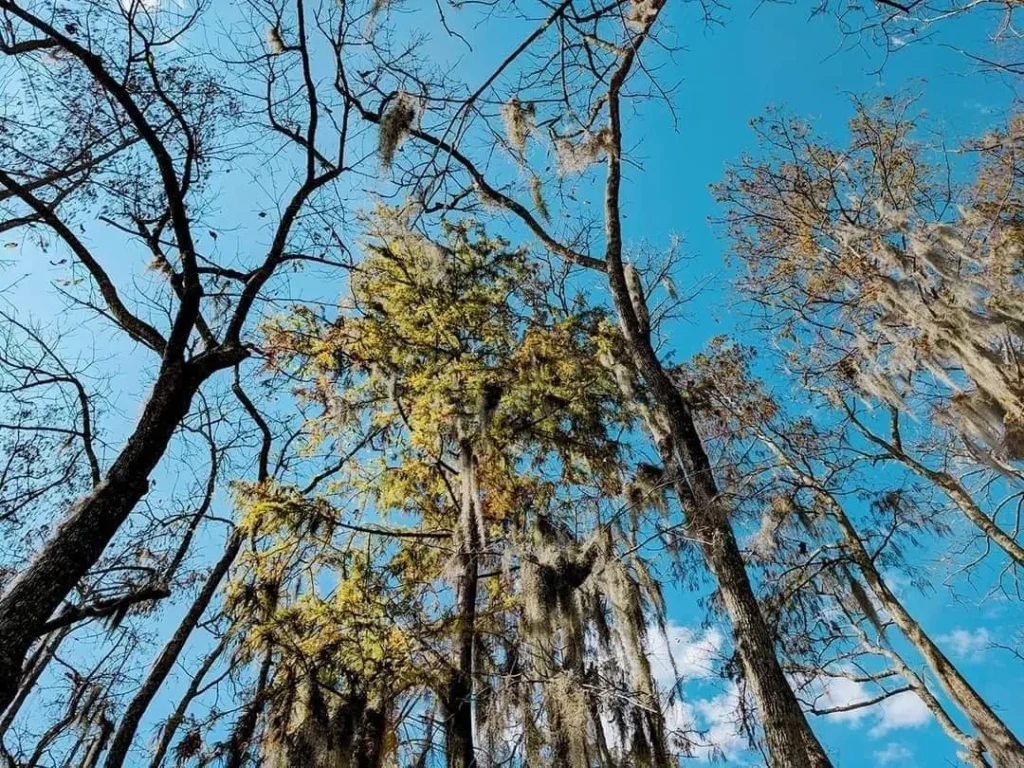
439,346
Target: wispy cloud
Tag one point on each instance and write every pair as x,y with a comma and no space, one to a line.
717,720
694,653
968,644
893,754
686,654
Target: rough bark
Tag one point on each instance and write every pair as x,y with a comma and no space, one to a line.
790,740
79,540
368,743
459,723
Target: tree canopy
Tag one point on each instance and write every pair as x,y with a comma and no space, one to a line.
361,407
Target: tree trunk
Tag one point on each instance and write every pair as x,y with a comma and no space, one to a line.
72,754
956,492
47,650
92,757
174,722
1003,747
459,723
974,749
241,735
78,542
80,539
368,744
168,657
791,742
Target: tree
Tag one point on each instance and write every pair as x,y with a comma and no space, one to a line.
600,55
812,481
905,287
126,105
482,420
449,489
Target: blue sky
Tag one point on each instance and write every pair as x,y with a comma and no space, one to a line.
727,75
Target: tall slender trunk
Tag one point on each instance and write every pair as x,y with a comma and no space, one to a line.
371,733
168,657
177,717
459,723
92,757
47,648
1002,745
78,542
80,739
241,735
790,740
974,749
955,490
81,537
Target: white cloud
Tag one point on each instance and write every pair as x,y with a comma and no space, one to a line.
893,753
690,654
693,652
963,642
841,692
903,710
720,717
712,725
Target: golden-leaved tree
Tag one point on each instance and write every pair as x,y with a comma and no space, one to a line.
479,561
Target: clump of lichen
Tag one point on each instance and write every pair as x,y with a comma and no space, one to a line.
537,196
274,42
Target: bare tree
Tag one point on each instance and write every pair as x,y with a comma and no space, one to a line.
123,104
802,483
